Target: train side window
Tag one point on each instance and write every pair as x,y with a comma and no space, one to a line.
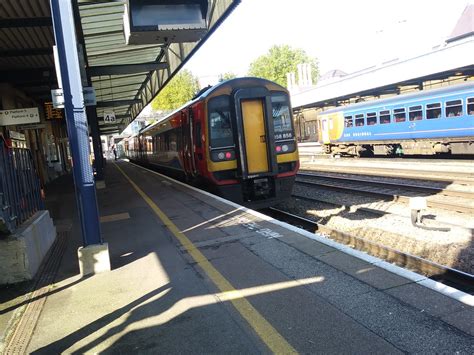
400,115
433,111
359,120
384,117
470,106
348,121
415,113
453,108
371,118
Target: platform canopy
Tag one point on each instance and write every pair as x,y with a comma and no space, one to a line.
125,77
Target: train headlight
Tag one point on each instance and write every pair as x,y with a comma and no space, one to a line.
221,155
284,148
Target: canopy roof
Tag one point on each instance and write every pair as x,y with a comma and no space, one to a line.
125,77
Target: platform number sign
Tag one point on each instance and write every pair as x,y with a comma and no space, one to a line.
109,117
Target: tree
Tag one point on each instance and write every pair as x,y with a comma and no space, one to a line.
227,76
177,92
281,60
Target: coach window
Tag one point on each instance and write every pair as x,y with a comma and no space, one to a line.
433,111
371,118
399,114
359,120
453,108
348,121
281,117
220,129
384,117
415,113
470,106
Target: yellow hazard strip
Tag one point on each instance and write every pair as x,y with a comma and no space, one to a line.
269,335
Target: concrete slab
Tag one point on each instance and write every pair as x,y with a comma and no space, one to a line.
363,270
308,246
462,320
412,330
427,300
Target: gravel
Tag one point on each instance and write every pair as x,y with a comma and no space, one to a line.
454,248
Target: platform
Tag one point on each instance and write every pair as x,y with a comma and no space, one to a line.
195,274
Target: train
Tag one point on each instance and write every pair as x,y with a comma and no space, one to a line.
429,122
235,139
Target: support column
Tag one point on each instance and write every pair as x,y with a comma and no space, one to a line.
97,144
77,128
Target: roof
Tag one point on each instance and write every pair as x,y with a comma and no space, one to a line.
465,25
125,77
451,59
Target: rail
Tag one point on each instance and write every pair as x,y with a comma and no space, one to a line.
20,191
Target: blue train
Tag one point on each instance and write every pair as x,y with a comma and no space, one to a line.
426,123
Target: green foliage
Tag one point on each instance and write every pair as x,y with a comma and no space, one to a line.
177,92
227,76
281,60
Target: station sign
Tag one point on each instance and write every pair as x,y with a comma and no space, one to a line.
52,113
109,117
19,116
88,92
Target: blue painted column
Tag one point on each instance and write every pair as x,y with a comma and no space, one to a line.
76,119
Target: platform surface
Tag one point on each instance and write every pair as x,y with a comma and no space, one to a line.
191,274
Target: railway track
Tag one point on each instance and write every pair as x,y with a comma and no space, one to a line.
442,198
461,178
379,212
448,276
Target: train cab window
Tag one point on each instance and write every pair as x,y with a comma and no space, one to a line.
453,108
371,118
384,117
470,106
415,113
348,121
220,129
359,120
281,117
433,111
400,115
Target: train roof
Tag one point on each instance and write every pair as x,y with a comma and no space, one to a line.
405,97
203,94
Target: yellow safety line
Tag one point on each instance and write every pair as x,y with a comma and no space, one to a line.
269,335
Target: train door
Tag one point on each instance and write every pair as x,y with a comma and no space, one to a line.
255,132
255,138
187,139
325,129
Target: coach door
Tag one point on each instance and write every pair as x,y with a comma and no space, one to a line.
325,129
188,156
255,132
253,118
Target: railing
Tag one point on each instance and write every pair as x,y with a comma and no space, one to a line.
20,191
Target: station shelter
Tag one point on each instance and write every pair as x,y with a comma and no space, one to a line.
81,68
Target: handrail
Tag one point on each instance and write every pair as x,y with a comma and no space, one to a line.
20,191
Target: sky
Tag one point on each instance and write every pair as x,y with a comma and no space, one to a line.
345,35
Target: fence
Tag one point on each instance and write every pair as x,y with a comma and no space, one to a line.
20,191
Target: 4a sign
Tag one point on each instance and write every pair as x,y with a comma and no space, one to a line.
109,117
19,116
